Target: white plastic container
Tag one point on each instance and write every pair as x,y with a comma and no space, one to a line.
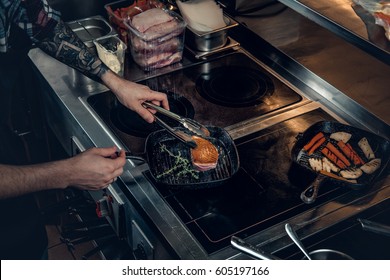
112,51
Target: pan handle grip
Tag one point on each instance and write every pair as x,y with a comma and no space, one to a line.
309,195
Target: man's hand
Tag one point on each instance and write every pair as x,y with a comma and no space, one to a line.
132,95
95,168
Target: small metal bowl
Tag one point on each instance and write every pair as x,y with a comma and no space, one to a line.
91,28
328,254
209,41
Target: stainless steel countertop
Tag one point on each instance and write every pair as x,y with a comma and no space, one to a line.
349,21
356,73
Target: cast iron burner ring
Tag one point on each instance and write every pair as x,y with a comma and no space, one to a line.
234,86
131,123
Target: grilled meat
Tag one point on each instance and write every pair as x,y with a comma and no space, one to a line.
205,155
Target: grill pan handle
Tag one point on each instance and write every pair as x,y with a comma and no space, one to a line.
309,195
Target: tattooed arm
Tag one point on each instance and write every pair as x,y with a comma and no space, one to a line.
63,44
56,38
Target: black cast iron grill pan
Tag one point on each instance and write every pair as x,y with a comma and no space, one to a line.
162,150
380,146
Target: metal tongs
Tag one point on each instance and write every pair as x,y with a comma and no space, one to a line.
189,124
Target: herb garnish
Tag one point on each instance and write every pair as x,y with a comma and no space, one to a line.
182,166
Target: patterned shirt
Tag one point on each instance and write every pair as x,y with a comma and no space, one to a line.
35,17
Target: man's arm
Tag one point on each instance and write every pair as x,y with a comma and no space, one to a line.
91,170
56,38
63,44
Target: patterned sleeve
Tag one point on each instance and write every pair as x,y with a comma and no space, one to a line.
37,18
52,35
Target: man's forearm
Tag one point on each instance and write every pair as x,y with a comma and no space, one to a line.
20,180
63,44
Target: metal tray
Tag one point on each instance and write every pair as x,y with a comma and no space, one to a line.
91,28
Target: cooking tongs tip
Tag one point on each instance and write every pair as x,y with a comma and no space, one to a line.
189,124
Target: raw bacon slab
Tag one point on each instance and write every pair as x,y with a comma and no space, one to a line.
145,20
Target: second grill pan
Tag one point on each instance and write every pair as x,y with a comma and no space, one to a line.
380,146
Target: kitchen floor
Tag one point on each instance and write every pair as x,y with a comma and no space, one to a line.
60,246
58,250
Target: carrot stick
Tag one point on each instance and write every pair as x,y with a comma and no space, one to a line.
316,145
336,176
348,152
333,158
356,154
334,150
317,137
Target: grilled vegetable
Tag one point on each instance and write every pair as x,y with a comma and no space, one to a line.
335,151
322,164
371,166
316,145
329,166
337,177
317,137
351,173
350,153
315,164
341,136
356,154
333,158
366,148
